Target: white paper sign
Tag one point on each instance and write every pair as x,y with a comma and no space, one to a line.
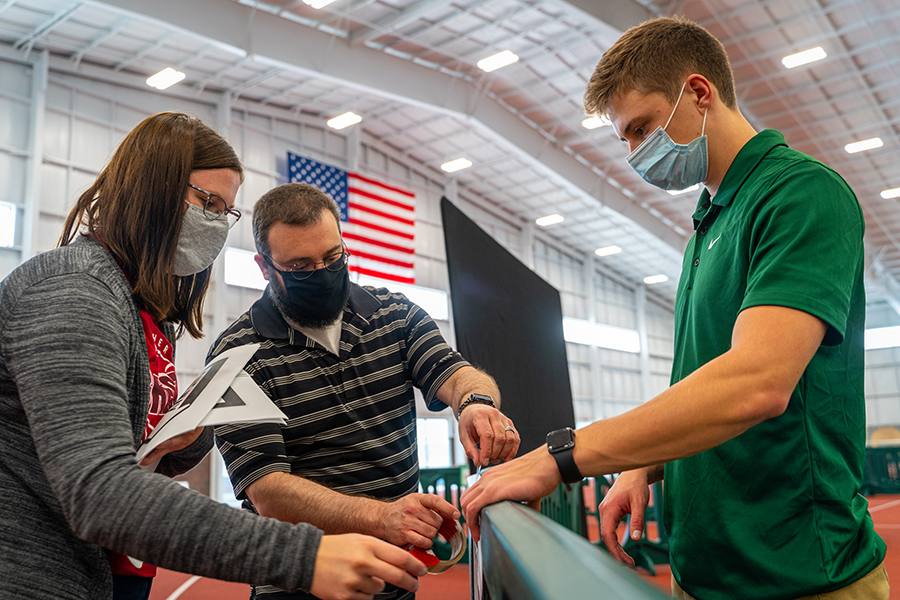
222,393
244,402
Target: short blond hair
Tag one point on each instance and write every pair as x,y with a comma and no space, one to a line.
657,56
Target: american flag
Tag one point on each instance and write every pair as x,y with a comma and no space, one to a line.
377,220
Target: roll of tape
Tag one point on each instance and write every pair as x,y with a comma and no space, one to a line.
452,531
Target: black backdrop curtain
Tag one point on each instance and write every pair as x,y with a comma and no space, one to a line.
508,321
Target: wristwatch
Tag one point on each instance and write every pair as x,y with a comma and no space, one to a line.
475,399
561,443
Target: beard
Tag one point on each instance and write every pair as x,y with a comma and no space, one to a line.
279,298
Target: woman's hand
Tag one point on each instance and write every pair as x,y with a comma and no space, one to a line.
356,567
179,442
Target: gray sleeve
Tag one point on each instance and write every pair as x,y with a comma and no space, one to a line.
66,344
182,461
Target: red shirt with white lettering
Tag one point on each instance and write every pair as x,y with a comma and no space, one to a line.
163,394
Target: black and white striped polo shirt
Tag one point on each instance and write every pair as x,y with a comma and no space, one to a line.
351,419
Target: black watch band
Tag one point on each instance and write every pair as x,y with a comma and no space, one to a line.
560,444
475,399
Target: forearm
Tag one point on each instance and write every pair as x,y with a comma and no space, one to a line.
294,499
465,382
716,403
652,473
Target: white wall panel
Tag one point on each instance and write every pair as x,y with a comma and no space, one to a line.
882,372
17,110
14,111
12,176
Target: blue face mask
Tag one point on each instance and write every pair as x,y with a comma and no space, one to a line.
667,165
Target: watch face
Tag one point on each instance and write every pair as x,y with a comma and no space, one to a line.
560,440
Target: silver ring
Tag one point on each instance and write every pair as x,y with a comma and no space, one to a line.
508,428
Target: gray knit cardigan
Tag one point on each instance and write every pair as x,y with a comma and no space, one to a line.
74,394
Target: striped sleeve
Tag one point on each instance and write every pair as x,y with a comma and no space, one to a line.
431,359
251,451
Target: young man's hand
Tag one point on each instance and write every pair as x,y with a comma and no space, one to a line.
628,495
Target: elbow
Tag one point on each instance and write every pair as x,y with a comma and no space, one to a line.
263,494
95,506
767,404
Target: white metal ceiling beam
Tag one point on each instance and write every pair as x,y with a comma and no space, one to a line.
46,27
147,50
397,20
616,14
114,30
239,89
8,4
276,41
417,35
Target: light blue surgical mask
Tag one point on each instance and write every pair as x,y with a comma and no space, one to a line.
667,165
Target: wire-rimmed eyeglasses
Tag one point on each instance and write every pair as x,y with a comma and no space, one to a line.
215,207
303,269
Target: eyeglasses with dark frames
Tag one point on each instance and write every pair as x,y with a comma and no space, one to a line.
215,208
301,270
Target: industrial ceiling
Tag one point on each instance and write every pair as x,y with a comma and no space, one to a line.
408,67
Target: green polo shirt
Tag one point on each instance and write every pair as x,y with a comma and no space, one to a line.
776,512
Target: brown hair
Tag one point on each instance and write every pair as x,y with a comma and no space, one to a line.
656,56
135,208
292,204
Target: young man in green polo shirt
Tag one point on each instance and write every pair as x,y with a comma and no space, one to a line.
760,439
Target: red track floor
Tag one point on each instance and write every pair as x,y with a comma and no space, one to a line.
454,584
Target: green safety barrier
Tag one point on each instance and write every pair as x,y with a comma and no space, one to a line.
565,505
441,482
881,473
527,556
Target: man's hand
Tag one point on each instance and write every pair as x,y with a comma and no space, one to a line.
628,495
354,566
485,426
179,442
525,479
414,519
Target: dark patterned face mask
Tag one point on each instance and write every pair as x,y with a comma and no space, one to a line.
320,296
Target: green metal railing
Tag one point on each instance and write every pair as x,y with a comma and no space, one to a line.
526,556
881,474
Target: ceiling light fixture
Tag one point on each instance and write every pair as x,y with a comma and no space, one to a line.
803,58
318,3
693,188
891,193
864,145
345,120
457,164
497,61
655,279
550,220
595,122
607,251
165,78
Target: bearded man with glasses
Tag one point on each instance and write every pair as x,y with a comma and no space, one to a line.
341,361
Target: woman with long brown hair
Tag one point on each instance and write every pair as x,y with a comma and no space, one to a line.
87,336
